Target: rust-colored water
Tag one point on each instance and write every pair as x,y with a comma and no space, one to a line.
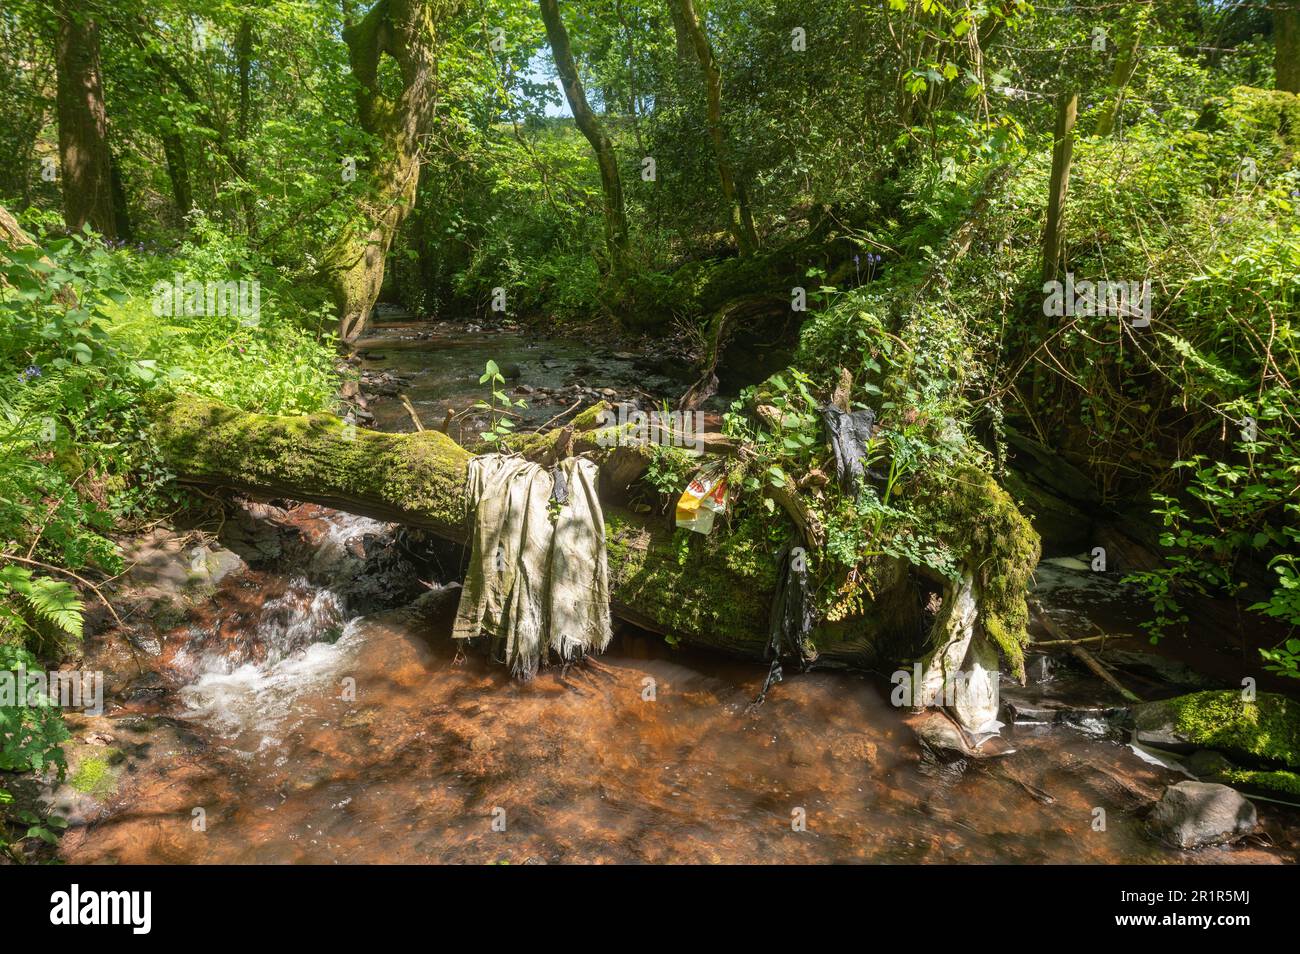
585,766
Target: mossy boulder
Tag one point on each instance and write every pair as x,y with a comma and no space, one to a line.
1264,732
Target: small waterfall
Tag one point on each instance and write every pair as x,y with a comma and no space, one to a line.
244,672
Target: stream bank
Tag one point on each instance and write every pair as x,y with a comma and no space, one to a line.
287,692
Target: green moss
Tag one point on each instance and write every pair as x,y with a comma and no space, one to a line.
686,584
1266,730
1281,781
420,473
584,424
588,419
1000,548
95,775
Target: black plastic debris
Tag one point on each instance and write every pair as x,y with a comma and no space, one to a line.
849,433
791,618
560,492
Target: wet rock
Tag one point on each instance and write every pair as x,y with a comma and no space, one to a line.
92,780
943,740
1205,763
162,565
1194,814
212,564
854,748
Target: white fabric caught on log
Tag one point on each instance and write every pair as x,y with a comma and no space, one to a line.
538,580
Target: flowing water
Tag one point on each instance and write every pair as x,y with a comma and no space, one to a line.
277,723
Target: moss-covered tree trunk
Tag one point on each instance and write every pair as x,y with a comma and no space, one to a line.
610,183
733,186
407,31
714,592
84,157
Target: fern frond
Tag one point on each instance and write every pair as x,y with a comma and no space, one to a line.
57,603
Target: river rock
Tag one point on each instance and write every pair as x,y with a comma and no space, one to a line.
854,748
1193,814
943,740
939,736
1263,731
1205,763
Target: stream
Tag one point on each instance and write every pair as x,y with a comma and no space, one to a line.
292,696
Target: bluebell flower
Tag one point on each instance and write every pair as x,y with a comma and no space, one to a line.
30,374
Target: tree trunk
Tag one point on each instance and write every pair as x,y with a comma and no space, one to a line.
590,126
685,587
733,187
1125,63
1062,149
86,163
406,30
1286,45
244,52
178,171
683,46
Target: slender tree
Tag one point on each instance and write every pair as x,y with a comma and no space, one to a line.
244,54
1129,40
733,187
590,126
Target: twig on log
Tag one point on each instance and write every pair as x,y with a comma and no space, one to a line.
558,416
410,409
1077,642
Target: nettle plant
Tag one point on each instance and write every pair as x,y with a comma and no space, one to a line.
498,406
789,440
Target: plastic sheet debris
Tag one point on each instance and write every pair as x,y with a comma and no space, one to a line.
538,576
790,622
791,619
703,499
849,433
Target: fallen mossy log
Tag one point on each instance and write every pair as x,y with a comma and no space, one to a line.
418,480
712,592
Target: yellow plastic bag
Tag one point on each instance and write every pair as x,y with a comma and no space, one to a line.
703,499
